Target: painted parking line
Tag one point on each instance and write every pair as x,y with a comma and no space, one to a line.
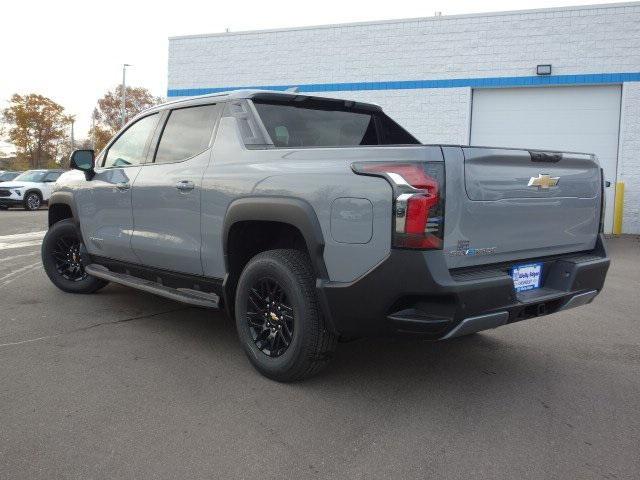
15,257
20,236
11,276
21,240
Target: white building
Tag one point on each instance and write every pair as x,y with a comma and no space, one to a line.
464,79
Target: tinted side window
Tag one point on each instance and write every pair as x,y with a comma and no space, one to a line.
186,133
129,148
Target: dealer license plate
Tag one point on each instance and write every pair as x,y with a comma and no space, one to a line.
526,277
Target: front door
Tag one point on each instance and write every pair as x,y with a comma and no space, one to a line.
106,217
167,195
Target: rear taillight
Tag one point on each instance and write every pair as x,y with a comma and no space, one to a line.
418,192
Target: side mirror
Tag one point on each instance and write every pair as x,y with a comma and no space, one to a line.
83,160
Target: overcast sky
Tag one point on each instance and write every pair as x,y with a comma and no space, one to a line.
73,51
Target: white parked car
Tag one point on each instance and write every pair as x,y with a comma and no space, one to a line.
8,175
29,189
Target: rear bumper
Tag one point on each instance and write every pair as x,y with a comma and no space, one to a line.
415,292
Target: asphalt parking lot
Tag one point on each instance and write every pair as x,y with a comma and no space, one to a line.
123,384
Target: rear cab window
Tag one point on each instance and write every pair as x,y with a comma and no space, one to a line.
299,122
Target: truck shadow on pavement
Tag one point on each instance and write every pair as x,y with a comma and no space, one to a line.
471,364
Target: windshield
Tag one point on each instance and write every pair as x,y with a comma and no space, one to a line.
322,123
31,176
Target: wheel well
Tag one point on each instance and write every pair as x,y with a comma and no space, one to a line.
59,211
248,238
38,192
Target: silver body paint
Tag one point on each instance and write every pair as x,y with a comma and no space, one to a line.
489,208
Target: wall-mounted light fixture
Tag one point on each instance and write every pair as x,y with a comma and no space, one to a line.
543,69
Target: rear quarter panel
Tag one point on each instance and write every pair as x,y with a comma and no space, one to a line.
318,176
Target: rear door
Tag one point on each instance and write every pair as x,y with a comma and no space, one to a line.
106,218
167,192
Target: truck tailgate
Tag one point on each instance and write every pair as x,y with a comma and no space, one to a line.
510,205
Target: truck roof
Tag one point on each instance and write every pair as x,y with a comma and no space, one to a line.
264,94
250,93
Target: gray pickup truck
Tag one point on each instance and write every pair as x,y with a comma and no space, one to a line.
310,220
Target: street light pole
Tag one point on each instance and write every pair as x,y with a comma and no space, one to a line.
73,142
93,128
124,90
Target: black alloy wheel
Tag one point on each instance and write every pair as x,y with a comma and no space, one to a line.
270,317
64,259
279,321
68,260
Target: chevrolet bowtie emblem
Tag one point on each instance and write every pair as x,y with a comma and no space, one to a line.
543,181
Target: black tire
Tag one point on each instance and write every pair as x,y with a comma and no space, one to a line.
32,201
311,345
62,259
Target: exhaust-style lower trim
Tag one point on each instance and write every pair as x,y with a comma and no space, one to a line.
476,324
494,320
579,300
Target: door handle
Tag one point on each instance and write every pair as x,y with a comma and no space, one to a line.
185,185
123,186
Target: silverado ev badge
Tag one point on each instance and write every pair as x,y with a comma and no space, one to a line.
463,250
543,181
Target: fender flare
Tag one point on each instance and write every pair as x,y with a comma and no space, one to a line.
63,198
293,211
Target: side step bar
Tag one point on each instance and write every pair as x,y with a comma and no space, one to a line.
184,295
